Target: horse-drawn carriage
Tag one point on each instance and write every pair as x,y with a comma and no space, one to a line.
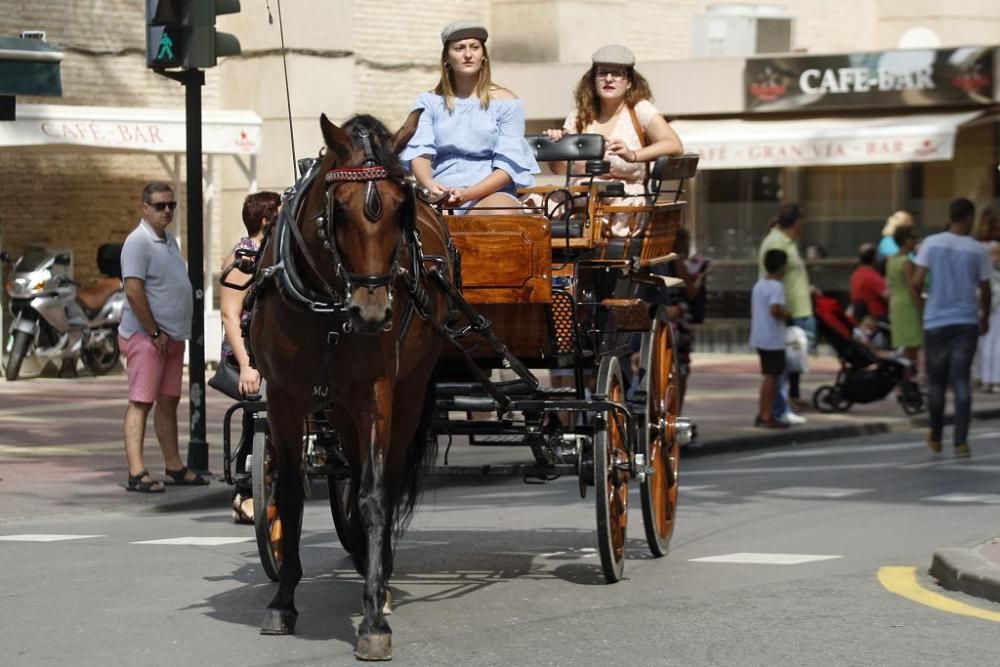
378,338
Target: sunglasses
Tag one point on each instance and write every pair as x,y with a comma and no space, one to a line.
160,206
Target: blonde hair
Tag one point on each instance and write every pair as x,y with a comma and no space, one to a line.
895,221
484,85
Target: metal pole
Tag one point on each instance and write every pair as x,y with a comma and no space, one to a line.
197,458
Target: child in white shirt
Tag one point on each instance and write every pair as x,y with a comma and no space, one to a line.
767,333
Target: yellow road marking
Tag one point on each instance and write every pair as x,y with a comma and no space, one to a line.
902,580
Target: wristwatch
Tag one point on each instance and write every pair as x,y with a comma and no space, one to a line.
156,333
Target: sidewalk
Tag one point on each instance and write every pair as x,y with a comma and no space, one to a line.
61,451
722,401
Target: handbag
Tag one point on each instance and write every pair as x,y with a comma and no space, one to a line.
227,378
796,357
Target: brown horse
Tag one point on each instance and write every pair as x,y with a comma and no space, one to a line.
344,320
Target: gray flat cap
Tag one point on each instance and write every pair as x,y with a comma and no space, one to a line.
464,29
614,54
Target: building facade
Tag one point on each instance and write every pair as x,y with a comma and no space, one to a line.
353,56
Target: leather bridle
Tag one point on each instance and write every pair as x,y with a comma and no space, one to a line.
369,172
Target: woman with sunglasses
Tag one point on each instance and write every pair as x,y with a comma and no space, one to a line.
614,100
469,149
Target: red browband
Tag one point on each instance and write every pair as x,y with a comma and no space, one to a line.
356,174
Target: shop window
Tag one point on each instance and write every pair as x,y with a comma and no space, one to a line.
735,209
845,207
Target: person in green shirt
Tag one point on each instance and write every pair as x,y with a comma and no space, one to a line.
784,235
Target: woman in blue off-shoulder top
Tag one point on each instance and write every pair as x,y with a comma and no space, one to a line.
469,147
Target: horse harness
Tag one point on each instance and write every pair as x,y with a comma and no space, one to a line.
330,302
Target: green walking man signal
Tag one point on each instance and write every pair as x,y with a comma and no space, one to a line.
181,33
166,51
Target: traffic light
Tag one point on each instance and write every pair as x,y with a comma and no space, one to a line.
181,33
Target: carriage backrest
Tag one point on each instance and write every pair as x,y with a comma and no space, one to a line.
588,148
677,168
571,148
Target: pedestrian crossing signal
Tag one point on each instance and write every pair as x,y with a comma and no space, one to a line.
181,33
163,47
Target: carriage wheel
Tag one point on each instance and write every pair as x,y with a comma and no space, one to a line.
342,506
267,523
658,437
611,473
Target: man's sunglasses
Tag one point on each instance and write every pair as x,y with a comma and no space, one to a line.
160,206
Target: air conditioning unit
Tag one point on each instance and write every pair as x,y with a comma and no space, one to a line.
733,30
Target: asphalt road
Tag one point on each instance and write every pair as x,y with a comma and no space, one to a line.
501,573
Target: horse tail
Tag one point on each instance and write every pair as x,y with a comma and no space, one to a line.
420,458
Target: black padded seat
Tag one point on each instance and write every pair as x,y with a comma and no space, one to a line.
621,248
571,148
559,229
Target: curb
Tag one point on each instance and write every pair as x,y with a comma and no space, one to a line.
795,436
967,571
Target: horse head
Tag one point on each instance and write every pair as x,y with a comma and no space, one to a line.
369,210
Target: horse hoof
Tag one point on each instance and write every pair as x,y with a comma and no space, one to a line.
279,622
374,647
387,607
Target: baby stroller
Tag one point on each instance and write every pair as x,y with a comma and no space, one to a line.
864,376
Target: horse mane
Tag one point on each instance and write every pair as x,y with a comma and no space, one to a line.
381,141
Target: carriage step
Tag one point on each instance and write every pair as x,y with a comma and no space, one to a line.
558,390
508,388
509,470
498,440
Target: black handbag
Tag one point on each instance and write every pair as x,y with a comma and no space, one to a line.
227,378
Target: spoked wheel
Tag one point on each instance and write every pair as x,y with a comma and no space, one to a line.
267,523
611,473
342,505
658,437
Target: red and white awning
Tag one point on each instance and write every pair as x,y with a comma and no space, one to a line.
747,144
125,129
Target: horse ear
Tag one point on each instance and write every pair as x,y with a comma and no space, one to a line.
336,139
406,132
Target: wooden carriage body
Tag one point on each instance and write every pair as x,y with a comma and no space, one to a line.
558,287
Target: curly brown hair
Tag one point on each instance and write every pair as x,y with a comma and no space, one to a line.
588,104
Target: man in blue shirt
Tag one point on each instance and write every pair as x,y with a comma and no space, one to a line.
953,317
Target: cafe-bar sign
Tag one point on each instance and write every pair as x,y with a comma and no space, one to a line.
910,78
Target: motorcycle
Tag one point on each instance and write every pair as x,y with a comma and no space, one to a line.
56,318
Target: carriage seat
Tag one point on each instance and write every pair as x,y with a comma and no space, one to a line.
571,148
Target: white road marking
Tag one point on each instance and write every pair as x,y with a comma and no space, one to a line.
197,541
831,451
764,559
985,498
785,469
31,537
816,492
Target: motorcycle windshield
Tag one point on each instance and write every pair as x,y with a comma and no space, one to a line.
34,259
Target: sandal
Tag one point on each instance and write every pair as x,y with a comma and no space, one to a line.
135,483
240,506
180,478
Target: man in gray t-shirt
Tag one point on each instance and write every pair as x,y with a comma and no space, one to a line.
155,324
954,318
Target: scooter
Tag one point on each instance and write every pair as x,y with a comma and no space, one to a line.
56,318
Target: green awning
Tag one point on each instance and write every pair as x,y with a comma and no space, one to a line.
29,67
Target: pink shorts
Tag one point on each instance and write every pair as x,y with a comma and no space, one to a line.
151,374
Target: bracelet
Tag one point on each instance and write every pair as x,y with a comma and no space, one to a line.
156,333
